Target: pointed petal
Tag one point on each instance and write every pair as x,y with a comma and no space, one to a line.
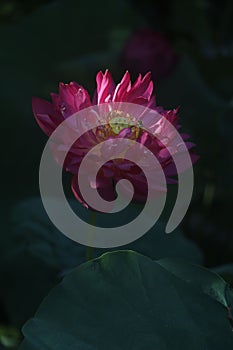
105,86
46,115
73,98
122,88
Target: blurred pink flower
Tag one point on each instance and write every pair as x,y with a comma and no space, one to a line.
148,50
73,98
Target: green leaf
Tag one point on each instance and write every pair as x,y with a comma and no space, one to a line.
10,337
36,255
226,271
124,300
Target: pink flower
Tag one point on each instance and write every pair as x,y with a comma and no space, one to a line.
148,50
73,98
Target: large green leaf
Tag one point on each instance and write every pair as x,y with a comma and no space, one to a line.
124,300
35,255
31,225
226,271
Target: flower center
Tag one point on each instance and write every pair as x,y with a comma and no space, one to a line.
118,121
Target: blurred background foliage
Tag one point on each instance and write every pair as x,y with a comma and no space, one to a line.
191,59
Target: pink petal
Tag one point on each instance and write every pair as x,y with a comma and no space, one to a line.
46,115
103,185
105,86
55,100
122,88
73,98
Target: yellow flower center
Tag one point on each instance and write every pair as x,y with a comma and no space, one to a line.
117,121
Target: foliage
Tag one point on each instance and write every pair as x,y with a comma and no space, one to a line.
124,300
36,255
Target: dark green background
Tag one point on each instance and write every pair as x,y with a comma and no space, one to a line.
45,42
